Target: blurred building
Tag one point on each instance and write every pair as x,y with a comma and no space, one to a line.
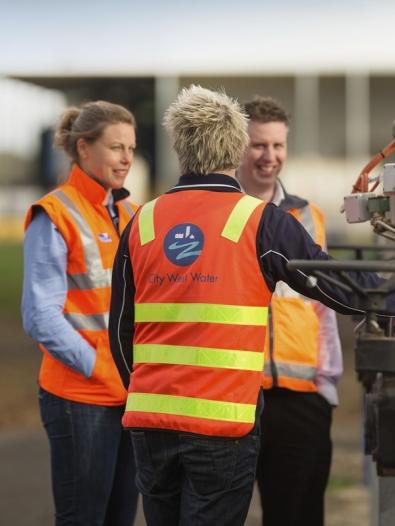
331,65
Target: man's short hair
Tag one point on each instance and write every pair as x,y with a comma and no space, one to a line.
209,130
266,109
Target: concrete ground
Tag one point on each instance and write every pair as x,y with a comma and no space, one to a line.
25,496
25,485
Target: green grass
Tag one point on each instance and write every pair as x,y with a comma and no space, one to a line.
338,482
11,275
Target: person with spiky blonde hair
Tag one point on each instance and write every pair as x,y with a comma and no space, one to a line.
209,131
192,281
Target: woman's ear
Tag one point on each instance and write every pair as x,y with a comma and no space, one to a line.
82,149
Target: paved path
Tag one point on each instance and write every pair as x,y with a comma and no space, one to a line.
25,493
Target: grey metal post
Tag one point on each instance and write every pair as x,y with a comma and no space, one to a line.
357,116
382,489
306,115
167,171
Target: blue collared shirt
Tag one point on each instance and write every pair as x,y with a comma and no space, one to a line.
44,296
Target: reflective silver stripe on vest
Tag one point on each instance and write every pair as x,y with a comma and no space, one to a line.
307,220
90,281
300,372
128,208
88,322
96,276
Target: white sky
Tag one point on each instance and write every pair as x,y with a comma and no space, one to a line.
180,36
25,110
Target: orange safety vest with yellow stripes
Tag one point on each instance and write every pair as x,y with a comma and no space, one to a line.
292,338
76,209
200,314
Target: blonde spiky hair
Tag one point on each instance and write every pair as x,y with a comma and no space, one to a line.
209,130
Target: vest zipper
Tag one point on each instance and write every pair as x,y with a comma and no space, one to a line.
273,366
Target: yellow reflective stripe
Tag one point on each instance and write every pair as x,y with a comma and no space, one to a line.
199,356
194,407
239,216
200,313
146,222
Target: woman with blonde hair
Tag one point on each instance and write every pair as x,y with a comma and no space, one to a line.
72,235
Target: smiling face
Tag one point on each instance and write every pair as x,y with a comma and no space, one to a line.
108,159
264,158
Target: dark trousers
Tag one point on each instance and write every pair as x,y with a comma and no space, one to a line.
193,480
295,458
92,463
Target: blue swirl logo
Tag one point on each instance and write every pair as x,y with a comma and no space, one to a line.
183,244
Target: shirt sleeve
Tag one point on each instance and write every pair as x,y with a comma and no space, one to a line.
282,238
44,295
330,359
121,322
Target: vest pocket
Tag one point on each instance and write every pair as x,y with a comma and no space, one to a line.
145,473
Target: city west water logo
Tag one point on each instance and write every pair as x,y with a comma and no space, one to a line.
183,244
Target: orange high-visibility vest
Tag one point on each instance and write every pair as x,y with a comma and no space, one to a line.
292,338
200,314
77,211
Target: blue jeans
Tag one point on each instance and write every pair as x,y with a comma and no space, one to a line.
193,480
91,462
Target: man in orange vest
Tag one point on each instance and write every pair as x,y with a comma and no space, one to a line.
192,282
303,359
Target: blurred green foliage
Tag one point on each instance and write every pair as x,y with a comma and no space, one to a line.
11,275
366,252
340,482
